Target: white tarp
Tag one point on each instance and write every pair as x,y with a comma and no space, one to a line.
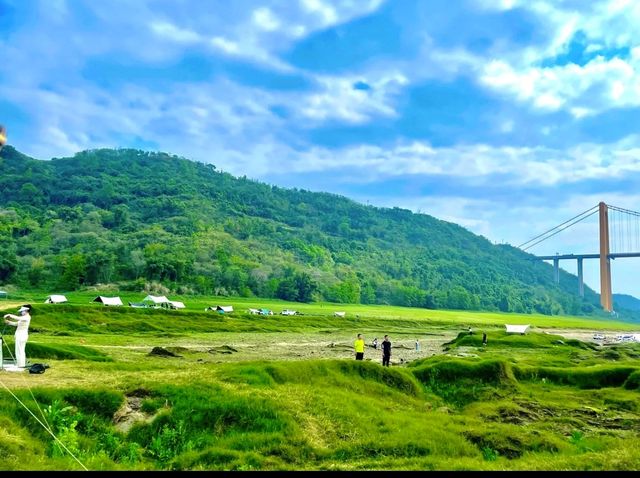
55,299
108,300
156,299
254,311
225,308
339,314
516,329
176,304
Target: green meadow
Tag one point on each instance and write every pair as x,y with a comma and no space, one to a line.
153,389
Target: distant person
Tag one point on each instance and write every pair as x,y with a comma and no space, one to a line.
470,331
484,338
417,345
21,323
374,344
358,345
386,351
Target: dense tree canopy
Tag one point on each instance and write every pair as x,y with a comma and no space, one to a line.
130,217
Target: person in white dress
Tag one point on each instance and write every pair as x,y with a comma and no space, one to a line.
21,323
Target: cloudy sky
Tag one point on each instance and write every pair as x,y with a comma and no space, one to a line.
505,116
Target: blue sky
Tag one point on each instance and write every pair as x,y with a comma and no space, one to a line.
505,116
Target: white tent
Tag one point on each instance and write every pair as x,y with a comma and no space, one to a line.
174,304
156,299
224,308
55,299
516,329
254,311
108,300
339,314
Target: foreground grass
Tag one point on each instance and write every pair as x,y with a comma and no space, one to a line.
533,402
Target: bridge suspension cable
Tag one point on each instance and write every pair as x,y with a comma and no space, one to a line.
624,229
559,228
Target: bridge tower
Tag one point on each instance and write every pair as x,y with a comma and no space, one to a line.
606,299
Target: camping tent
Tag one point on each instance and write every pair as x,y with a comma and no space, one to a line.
108,300
3,294
55,299
174,304
516,329
339,314
156,300
288,312
221,309
254,311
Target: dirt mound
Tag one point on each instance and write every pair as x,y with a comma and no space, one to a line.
223,349
163,352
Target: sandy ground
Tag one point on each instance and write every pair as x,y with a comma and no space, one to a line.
586,335
284,346
236,347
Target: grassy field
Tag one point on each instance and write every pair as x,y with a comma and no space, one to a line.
145,389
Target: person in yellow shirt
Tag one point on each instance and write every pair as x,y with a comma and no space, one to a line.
359,346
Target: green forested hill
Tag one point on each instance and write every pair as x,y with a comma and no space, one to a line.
132,218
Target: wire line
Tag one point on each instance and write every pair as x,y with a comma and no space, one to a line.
591,210
43,425
560,230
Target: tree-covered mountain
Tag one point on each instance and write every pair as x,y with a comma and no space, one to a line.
627,302
133,217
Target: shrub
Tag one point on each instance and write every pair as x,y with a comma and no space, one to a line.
633,381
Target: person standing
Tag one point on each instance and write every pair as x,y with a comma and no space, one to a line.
417,345
386,351
358,345
21,323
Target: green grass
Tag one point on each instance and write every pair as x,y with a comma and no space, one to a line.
325,309
248,394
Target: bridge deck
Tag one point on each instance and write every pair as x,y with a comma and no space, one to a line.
614,255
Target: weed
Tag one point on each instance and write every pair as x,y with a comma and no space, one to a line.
489,454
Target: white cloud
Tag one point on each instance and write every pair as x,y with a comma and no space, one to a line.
225,45
570,85
600,84
265,19
338,99
174,33
326,12
480,163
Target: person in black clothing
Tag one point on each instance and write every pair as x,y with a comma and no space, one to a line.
386,351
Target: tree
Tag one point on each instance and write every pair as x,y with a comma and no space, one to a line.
73,272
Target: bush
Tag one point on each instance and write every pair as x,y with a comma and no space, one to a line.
633,381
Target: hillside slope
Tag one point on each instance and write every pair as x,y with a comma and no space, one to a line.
133,217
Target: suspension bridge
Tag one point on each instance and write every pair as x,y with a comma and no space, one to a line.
619,238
